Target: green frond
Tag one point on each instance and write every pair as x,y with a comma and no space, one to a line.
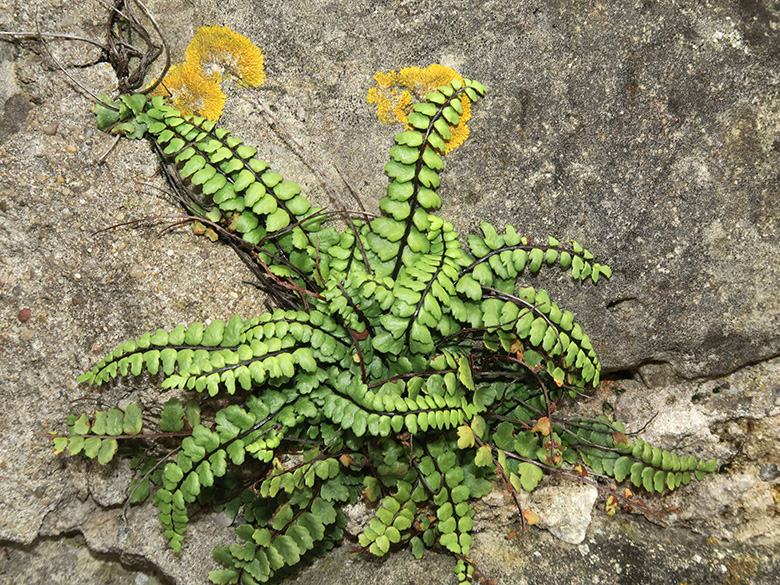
603,447
294,514
98,436
505,256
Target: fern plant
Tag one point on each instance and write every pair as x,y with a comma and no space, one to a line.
401,365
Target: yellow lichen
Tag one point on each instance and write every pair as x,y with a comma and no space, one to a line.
395,93
219,51
421,81
459,133
193,87
190,92
392,105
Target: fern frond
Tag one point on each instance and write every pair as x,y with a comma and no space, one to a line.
509,254
407,229
99,436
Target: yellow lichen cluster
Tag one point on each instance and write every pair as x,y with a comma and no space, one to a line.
190,92
395,93
217,50
193,87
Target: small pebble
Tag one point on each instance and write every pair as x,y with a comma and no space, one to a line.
137,271
23,315
768,472
222,520
50,129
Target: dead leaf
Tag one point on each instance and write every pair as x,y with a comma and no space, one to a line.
517,349
611,505
580,470
619,439
542,426
531,517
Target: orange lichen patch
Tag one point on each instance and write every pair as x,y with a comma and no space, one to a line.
190,92
395,93
391,102
421,81
193,86
459,133
384,104
219,51
392,105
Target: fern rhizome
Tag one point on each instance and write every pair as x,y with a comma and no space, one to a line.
401,365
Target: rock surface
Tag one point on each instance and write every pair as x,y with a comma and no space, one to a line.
648,131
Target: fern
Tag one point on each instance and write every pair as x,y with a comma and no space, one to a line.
412,367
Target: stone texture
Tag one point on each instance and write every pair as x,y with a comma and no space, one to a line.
68,561
732,419
648,131
565,510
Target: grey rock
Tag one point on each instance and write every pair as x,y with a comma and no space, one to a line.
68,560
648,131
14,115
565,510
616,551
732,419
